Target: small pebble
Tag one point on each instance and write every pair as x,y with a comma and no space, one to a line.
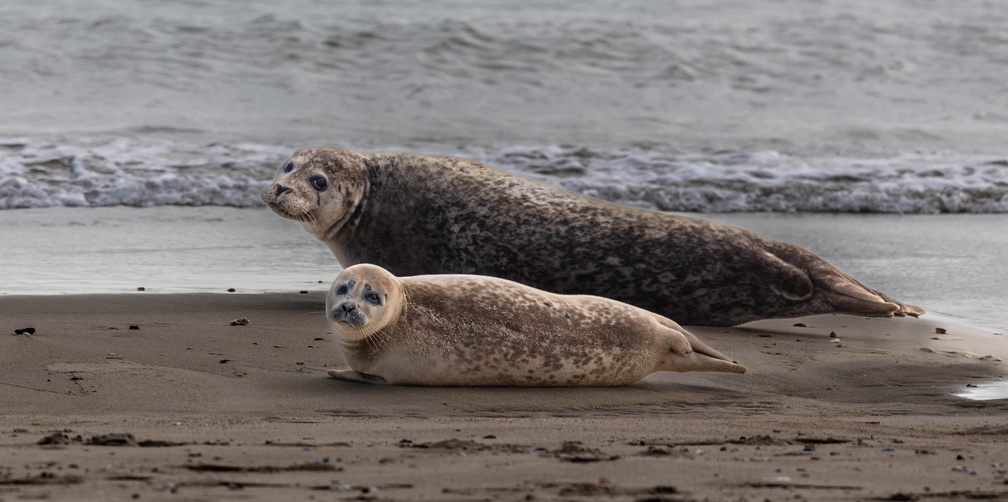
405,441
231,290
800,325
319,339
303,292
241,321
134,326
809,448
24,331
141,288
940,331
489,436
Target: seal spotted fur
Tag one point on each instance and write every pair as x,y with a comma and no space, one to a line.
424,214
468,330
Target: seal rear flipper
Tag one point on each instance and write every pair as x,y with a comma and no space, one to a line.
784,278
696,361
847,296
904,309
832,290
356,376
695,356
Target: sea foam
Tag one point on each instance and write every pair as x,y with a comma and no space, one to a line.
148,172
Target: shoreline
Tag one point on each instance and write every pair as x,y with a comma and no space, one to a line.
221,408
947,264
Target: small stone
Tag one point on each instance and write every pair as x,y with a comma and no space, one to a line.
231,290
800,325
141,288
303,292
941,331
24,331
832,334
241,321
134,326
489,436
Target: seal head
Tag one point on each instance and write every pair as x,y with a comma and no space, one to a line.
363,301
321,188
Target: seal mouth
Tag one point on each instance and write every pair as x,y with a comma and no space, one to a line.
355,318
309,216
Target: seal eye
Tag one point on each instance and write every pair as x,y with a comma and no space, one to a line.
318,183
288,167
342,289
373,298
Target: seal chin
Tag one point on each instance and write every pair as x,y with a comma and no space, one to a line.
309,216
355,320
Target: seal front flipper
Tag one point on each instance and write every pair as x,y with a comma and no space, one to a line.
356,376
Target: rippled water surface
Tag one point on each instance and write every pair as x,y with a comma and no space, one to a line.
783,105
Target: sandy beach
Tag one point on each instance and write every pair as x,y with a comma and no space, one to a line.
158,397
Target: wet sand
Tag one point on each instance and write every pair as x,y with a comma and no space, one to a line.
187,406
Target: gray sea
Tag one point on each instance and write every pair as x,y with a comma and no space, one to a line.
831,107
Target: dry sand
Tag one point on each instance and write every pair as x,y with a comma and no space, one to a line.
188,407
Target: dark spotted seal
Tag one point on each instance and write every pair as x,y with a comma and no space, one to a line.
468,330
423,214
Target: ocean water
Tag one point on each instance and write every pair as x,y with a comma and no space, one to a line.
780,106
706,106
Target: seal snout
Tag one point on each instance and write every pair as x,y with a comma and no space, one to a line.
280,189
349,313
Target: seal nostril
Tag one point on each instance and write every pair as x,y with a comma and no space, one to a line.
281,189
348,306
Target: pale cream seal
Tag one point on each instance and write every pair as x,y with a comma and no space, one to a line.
468,330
